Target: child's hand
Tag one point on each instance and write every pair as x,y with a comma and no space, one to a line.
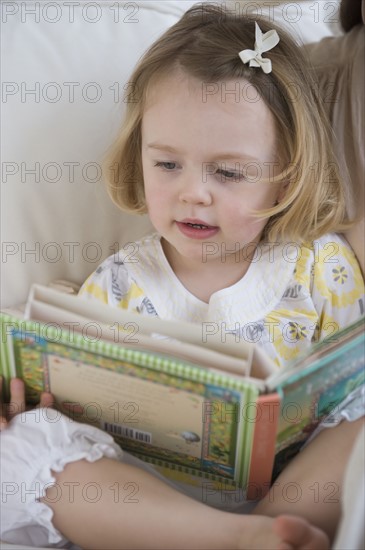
17,401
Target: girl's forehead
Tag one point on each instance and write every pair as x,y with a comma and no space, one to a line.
187,114
180,93
162,84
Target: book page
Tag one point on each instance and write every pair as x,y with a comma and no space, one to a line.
103,397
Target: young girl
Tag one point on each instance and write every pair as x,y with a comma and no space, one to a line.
226,147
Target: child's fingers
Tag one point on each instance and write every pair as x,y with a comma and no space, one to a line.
17,397
3,422
17,401
17,393
47,400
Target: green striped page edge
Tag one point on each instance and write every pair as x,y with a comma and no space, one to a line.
185,469
152,360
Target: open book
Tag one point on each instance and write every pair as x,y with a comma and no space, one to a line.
193,402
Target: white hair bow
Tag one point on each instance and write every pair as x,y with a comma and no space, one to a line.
263,43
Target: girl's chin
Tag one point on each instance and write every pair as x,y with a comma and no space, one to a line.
195,251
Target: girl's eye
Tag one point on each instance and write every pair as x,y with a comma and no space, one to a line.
230,176
166,165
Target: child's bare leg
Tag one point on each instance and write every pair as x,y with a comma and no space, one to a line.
311,485
116,505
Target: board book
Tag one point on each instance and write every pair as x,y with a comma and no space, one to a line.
197,406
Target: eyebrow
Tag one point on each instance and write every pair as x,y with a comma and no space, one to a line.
161,147
220,156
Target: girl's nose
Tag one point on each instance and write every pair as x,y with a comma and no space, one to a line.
195,191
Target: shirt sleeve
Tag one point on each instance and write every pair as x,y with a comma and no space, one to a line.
337,285
112,284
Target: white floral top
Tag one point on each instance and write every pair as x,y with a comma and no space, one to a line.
290,296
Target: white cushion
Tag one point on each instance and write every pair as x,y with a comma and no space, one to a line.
58,221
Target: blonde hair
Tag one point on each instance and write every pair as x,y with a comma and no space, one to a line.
205,44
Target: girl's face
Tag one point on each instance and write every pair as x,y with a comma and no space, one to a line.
205,149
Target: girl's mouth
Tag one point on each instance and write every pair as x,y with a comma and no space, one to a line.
198,225
196,229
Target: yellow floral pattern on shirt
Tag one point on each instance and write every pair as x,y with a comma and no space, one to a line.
324,293
286,335
343,289
332,290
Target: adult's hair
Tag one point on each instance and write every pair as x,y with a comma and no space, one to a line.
350,14
205,44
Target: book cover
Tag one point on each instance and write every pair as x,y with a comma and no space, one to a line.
165,410
163,402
